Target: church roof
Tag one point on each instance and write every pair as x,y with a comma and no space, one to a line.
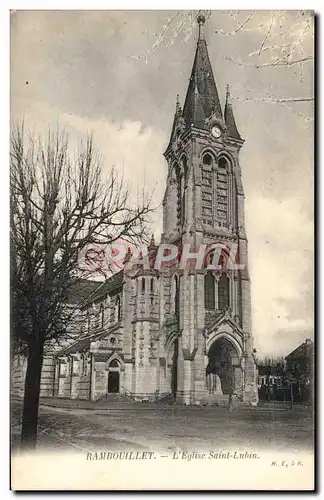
80,344
84,292
202,98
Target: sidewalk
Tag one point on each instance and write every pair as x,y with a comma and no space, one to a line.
94,405
123,404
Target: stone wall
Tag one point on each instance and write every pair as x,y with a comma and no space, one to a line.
18,374
47,376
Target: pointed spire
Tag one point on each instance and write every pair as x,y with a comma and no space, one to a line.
229,117
201,82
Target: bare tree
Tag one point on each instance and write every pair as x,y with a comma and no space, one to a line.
59,204
284,39
273,365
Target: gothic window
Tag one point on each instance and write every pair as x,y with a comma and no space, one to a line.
223,293
117,309
222,162
176,295
152,285
114,364
209,258
143,285
207,159
97,315
222,192
209,289
207,189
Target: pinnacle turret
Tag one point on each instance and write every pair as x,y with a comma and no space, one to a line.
229,117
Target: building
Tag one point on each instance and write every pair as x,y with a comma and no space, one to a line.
186,333
300,360
300,369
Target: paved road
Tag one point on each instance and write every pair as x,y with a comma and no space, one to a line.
169,428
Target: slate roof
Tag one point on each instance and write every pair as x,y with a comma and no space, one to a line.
81,344
85,292
304,350
202,98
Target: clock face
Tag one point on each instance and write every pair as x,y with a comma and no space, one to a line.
216,132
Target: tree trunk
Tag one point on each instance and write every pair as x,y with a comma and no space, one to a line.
31,396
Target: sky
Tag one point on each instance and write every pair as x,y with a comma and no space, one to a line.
117,73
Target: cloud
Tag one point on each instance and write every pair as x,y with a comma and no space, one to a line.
134,150
280,256
280,234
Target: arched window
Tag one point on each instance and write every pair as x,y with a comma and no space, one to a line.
209,258
207,178
209,291
222,162
223,293
97,314
222,192
143,285
207,159
117,309
152,285
114,364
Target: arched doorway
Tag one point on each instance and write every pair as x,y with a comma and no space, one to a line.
113,376
223,369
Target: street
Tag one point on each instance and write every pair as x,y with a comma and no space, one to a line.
90,426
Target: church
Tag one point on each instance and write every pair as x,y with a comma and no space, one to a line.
183,334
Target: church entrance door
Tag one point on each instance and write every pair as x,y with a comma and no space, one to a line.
113,377
220,377
113,382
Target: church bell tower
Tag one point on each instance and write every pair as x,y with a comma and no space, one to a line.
211,345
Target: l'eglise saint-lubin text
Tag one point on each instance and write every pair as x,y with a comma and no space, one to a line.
176,455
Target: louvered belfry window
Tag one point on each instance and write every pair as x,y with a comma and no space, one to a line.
207,189
222,192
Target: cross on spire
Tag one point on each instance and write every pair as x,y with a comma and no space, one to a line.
201,19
